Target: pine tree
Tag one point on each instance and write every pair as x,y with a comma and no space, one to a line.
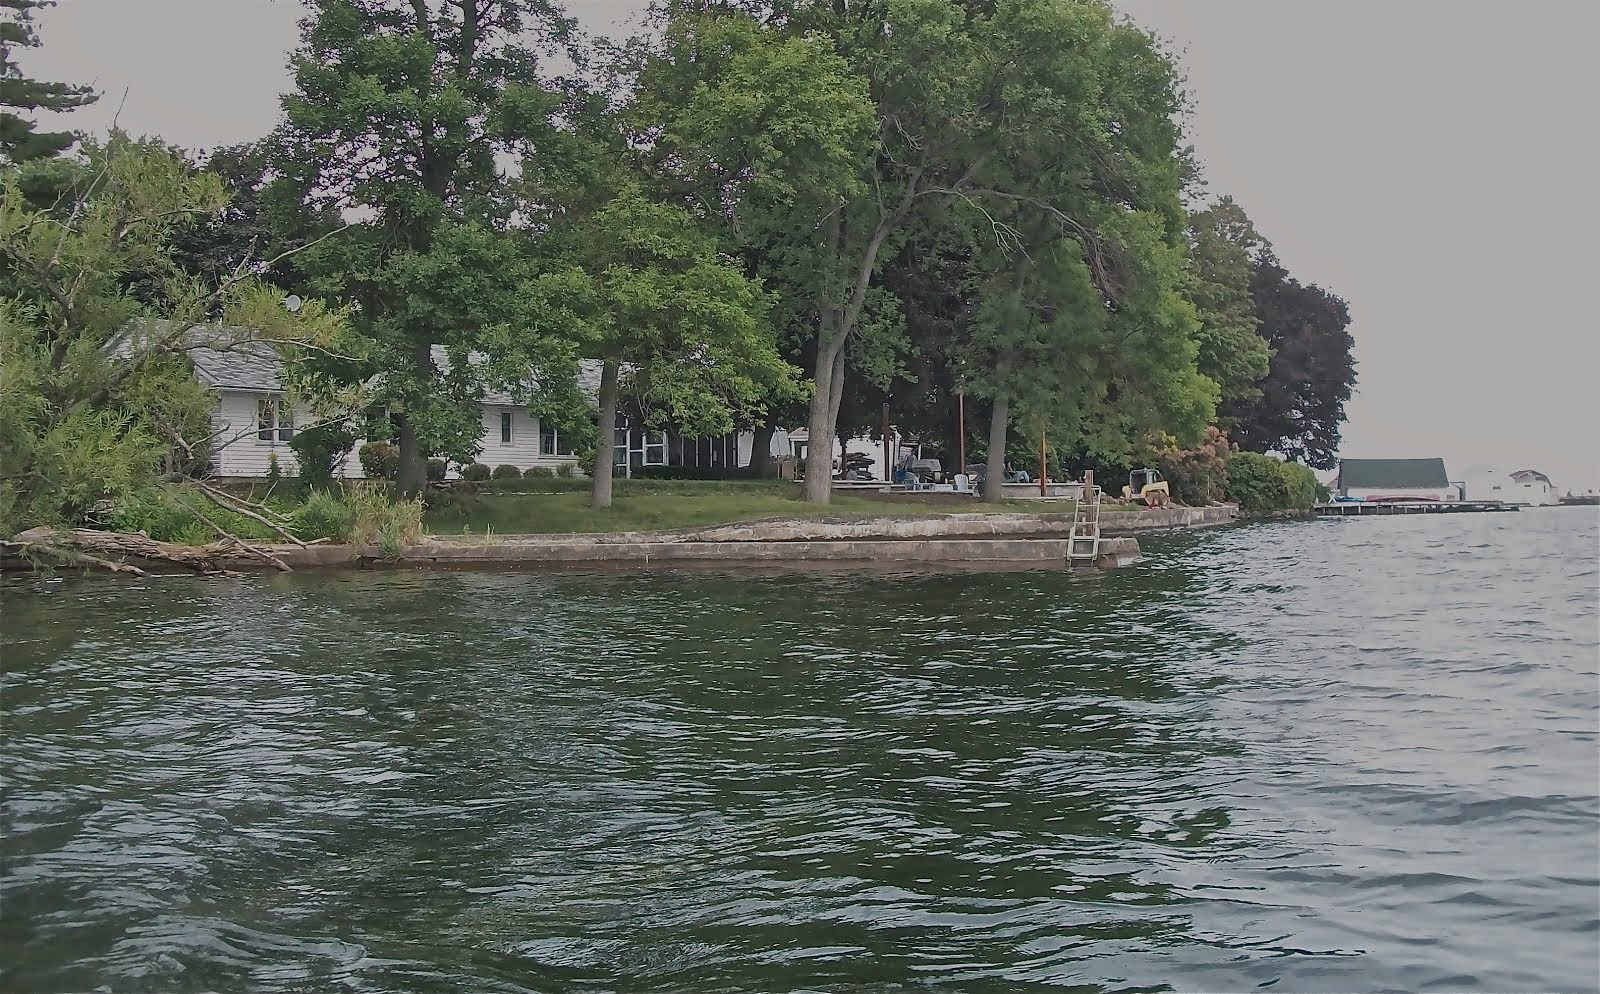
19,95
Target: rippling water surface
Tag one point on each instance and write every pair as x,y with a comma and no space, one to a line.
1335,755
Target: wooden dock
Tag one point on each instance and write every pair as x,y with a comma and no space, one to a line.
1356,509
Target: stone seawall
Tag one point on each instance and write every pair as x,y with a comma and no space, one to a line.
562,551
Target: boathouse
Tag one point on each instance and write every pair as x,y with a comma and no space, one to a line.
1377,479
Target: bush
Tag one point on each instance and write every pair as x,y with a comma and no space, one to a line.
436,470
380,460
319,448
171,517
274,473
379,521
569,470
538,473
477,472
1261,483
1198,476
324,516
690,473
506,471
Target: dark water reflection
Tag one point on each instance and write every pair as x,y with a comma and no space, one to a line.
1327,756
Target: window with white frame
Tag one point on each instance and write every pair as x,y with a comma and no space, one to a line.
505,427
655,448
274,419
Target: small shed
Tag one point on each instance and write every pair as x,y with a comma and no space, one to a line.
1379,479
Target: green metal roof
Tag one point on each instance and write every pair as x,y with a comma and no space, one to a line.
1397,474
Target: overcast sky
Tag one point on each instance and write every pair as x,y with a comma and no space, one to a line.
1433,163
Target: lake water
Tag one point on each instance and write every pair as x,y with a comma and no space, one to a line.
1320,756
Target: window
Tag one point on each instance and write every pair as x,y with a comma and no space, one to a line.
505,427
655,448
551,443
274,419
619,447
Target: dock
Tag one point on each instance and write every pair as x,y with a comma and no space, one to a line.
1357,508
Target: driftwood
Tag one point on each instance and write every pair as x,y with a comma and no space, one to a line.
231,503
109,550
228,536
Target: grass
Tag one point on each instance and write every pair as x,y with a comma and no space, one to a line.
546,507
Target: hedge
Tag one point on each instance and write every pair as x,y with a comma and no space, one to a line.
1261,483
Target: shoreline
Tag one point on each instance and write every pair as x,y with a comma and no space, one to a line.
959,541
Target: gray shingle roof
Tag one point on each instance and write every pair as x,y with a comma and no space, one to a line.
1395,474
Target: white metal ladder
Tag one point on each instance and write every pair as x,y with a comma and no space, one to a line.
1083,542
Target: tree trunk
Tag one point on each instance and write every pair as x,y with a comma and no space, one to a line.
412,475
762,465
412,472
994,474
600,491
820,428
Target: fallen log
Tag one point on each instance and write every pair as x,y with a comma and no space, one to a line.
108,550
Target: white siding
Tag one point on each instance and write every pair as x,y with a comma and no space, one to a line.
236,451
523,449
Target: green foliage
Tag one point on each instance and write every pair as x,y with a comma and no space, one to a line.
506,471
173,515
475,472
318,450
1223,245
377,520
324,515
436,469
1198,476
98,397
407,113
274,471
538,473
568,470
1262,484
379,460
20,142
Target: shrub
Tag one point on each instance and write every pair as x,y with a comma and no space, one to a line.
324,516
1198,476
506,471
380,460
1260,483
274,474
538,473
436,470
377,520
569,470
319,448
170,517
477,472
1301,484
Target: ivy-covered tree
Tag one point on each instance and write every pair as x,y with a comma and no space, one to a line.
1299,412
408,115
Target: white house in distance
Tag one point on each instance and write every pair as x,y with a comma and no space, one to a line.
1527,487
1394,479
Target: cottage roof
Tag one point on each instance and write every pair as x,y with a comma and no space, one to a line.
1527,475
1396,474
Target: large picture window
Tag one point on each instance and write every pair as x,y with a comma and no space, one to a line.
552,442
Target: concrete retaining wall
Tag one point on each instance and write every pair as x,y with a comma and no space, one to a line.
975,553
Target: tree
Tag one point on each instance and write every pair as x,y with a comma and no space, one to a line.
96,393
685,326
1300,410
1223,246
20,141
411,114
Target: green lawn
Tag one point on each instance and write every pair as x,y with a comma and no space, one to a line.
562,507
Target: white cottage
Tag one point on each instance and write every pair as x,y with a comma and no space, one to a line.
254,420
1527,487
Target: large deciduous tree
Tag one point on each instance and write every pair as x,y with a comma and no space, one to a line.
1223,245
406,115
1300,409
